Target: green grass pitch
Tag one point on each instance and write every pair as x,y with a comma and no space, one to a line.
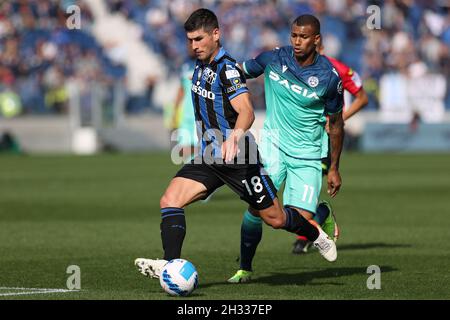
102,212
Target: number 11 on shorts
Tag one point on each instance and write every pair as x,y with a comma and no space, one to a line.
308,192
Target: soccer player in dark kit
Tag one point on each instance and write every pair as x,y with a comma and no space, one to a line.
228,152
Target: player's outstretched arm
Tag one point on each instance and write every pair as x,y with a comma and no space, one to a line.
336,134
243,106
360,102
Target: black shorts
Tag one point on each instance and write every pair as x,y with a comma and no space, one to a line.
250,181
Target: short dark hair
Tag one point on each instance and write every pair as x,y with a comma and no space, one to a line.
201,18
310,20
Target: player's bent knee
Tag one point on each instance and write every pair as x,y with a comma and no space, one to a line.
277,223
169,200
274,223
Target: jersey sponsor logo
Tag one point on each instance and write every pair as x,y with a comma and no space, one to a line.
313,81
260,199
209,75
203,92
236,87
230,74
284,69
295,88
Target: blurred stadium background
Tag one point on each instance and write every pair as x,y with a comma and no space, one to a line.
110,84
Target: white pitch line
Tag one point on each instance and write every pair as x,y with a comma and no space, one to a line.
19,288
34,291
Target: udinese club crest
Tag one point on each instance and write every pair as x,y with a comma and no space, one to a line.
313,81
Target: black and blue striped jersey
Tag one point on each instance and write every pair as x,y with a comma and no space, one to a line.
214,85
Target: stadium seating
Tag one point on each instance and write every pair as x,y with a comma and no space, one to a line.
35,41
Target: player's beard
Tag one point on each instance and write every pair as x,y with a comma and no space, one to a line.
206,55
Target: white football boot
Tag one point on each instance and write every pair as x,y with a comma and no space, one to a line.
326,246
149,267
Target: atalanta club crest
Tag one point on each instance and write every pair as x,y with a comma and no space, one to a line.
313,81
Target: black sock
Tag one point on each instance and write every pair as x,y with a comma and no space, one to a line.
297,224
173,230
322,214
